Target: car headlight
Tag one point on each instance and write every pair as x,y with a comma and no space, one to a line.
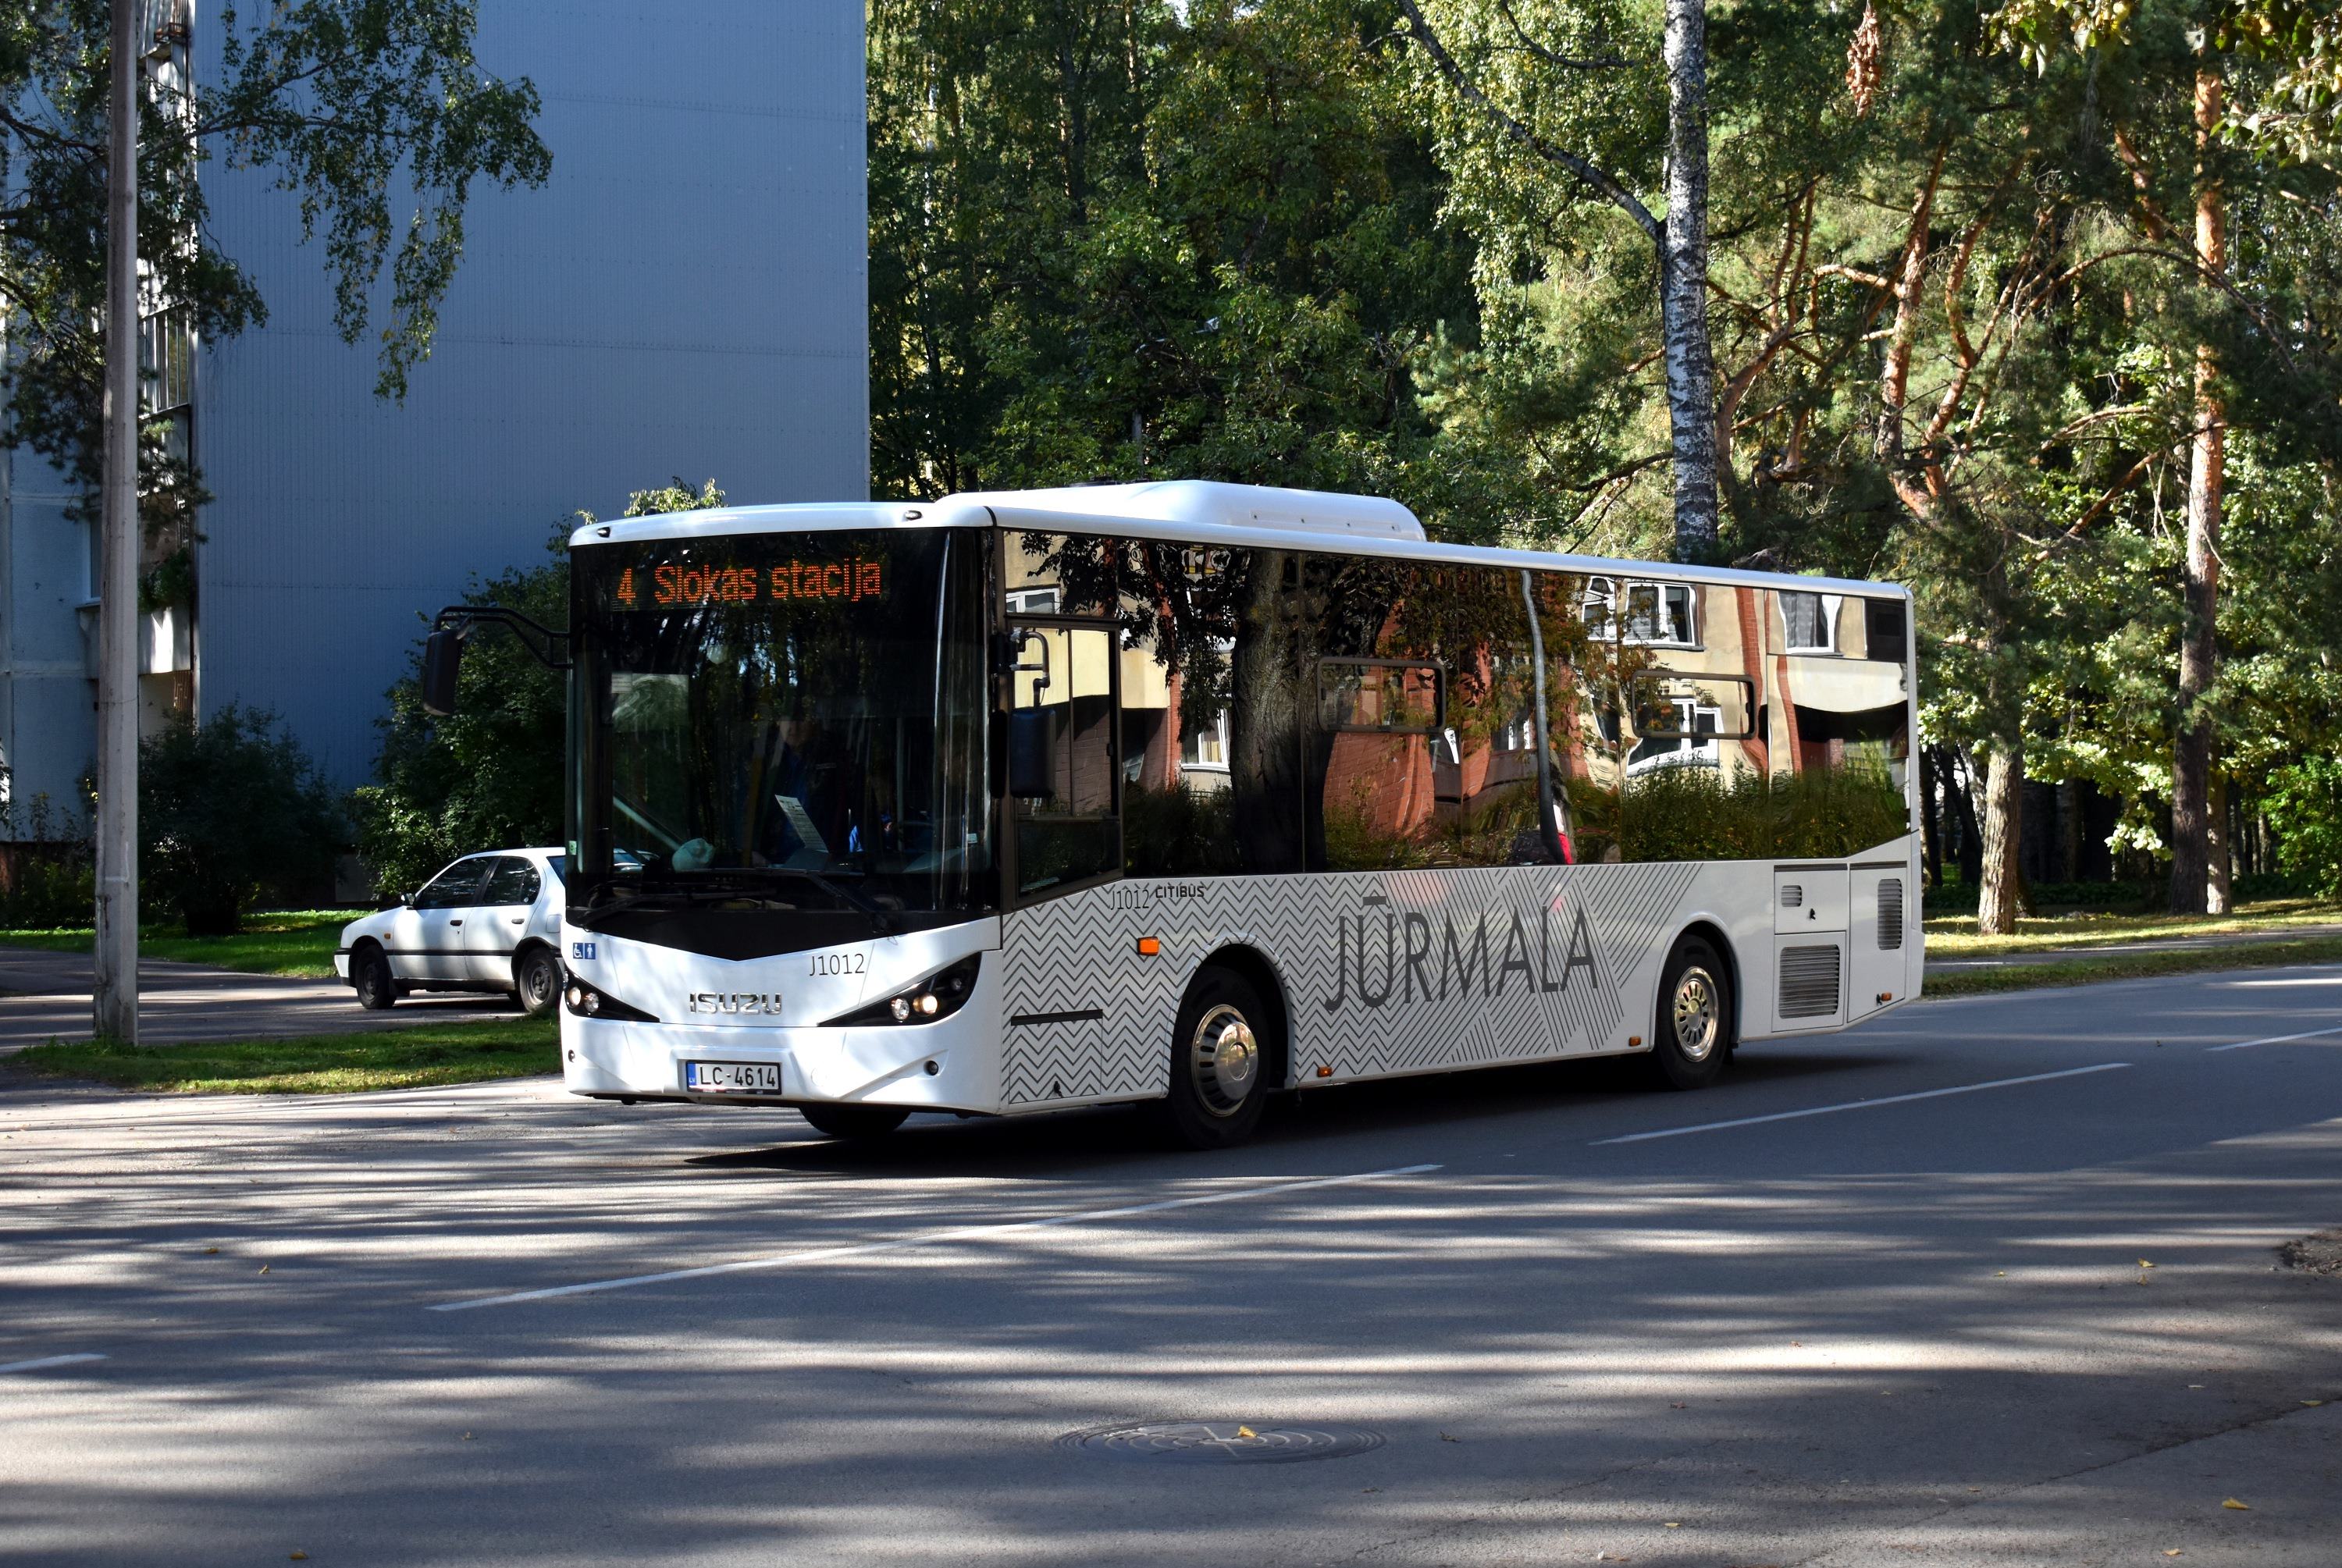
592,1002
938,996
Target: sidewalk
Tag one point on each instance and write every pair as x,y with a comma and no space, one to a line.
46,995
2149,945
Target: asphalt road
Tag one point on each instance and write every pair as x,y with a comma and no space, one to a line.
1587,1322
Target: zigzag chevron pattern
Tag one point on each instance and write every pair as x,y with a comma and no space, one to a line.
1386,972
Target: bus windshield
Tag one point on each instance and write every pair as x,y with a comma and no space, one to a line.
790,720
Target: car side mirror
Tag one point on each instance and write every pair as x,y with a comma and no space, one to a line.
1029,751
406,899
443,660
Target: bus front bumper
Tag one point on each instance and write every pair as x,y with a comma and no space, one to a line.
939,1066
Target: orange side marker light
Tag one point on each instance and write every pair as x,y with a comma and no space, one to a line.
1149,946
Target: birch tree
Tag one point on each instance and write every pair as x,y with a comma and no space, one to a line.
1555,86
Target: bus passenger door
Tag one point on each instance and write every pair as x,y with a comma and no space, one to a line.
1064,784
1810,904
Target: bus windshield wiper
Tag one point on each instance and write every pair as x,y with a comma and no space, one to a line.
879,917
682,895
842,894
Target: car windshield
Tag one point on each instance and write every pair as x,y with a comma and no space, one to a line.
799,718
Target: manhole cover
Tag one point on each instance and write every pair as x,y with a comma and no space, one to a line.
1222,1442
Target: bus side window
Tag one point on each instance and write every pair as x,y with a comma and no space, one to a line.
1209,703
1062,738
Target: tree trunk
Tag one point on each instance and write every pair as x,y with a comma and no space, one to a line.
1930,817
1971,835
2191,752
2004,824
2216,900
2069,830
1682,284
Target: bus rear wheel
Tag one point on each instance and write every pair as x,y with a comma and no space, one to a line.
1692,1036
854,1121
1219,1063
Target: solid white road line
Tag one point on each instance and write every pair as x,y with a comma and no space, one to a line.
931,1238
39,1363
2275,1040
1861,1105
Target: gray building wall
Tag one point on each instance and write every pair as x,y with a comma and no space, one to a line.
47,702
687,296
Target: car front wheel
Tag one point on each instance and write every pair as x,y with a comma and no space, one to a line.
370,978
537,978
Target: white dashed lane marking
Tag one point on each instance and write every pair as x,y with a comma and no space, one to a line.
1862,1104
43,1363
929,1239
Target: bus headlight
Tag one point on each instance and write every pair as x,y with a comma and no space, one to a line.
590,1002
939,995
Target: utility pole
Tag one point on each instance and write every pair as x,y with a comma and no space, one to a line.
115,1002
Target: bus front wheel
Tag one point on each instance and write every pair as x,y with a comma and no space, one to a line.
855,1121
1692,1035
1219,1063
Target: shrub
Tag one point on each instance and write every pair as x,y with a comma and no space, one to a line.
2305,811
1690,812
490,776
47,880
229,811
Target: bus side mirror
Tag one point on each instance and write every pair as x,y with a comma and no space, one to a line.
443,657
1029,751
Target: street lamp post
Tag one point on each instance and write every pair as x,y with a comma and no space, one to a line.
116,995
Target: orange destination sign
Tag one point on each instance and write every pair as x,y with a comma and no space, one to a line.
667,585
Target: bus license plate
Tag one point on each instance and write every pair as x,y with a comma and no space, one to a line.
732,1077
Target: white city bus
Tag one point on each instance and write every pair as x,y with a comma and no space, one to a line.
1191,793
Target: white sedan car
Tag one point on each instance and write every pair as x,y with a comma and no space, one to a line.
488,922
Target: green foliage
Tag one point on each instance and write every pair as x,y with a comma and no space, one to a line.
1271,243
376,114
1698,813
1127,241
49,875
491,774
228,812
413,1057
2305,806
1180,831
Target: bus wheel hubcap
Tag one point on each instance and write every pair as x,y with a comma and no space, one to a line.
1696,1015
1222,1060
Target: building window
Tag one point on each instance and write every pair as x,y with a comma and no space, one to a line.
1205,746
1657,614
1810,621
1693,745
167,357
1033,601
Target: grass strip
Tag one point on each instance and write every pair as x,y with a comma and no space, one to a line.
416,1056
2083,971
1958,938
298,942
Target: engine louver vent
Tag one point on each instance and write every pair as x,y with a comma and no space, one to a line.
1792,896
1890,913
1809,982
